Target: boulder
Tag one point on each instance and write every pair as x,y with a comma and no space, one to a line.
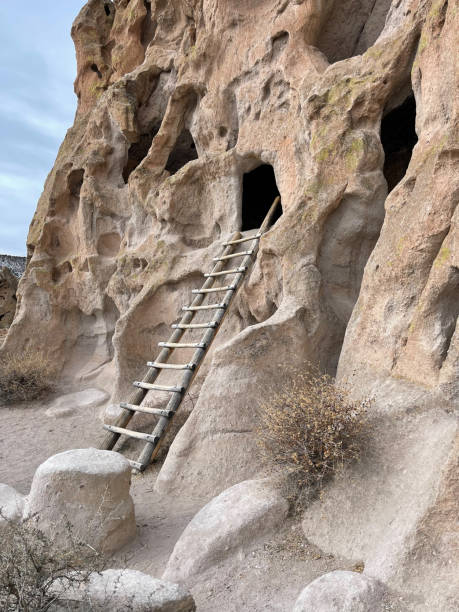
65,405
120,590
238,515
86,492
11,505
341,591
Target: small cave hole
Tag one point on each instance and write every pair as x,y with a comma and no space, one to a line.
148,25
95,69
259,189
138,151
107,9
183,152
398,137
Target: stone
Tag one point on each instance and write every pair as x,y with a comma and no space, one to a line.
11,505
341,591
86,491
8,300
65,405
120,590
226,524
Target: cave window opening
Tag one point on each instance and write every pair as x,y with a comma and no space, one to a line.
259,189
398,137
138,151
183,152
95,69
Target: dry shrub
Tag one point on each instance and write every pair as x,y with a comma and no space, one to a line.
309,429
25,376
34,574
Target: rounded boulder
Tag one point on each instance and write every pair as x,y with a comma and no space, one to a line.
84,494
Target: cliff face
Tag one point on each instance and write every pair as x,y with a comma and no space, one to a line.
353,105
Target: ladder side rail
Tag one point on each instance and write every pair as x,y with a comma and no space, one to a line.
139,394
151,448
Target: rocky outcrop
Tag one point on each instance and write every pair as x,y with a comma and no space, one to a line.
15,263
8,300
83,494
350,105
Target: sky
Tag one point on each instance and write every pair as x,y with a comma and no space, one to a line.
37,105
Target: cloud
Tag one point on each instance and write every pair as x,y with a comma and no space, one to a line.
37,106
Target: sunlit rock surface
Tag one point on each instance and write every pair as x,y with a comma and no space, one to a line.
352,105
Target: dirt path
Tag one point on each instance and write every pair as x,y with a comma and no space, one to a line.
265,576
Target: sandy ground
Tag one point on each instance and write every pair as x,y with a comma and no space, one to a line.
266,575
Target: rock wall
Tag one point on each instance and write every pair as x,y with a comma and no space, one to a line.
8,287
352,104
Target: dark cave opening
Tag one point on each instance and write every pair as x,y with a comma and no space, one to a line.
183,152
259,189
398,137
107,9
95,69
138,151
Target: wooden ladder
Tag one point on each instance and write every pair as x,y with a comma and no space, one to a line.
190,368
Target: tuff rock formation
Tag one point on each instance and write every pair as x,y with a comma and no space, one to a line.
8,288
353,106
83,494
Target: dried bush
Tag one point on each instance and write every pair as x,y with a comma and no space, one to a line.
309,429
25,376
34,574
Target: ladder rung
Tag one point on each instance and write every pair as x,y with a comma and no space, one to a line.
214,289
146,410
171,366
194,325
225,257
132,434
150,387
206,307
225,272
136,465
201,345
254,237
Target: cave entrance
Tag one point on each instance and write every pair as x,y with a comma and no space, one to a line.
398,137
183,152
138,151
259,190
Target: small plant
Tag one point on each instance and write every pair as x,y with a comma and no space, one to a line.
25,376
34,574
310,429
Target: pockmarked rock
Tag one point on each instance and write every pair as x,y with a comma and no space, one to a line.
86,492
341,591
236,516
67,404
121,590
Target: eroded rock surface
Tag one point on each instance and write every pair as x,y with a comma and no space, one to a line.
83,494
341,592
120,590
8,300
234,519
352,105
